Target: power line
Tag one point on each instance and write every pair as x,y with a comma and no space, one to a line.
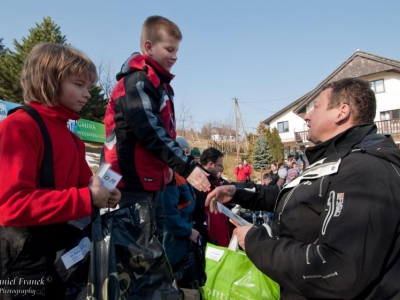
272,100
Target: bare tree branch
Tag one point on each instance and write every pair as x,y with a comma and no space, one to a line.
107,79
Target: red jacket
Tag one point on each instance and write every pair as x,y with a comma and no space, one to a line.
140,127
21,152
218,225
241,174
249,170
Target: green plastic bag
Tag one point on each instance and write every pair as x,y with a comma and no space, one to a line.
231,275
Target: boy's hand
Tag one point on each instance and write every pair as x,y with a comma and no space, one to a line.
221,194
102,197
198,179
114,198
194,236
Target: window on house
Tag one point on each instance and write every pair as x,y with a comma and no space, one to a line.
390,114
283,126
378,86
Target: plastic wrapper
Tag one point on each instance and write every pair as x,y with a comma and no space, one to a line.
127,261
190,271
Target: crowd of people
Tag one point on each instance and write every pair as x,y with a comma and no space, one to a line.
336,227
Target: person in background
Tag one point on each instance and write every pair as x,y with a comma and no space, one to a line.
266,179
178,202
290,160
213,228
248,170
292,173
282,174
301,167
334,221
140,142
241,175
55,80
221,180
274,173
195,152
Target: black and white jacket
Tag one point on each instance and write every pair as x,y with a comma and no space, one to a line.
336,229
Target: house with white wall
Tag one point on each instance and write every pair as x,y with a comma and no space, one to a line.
220,134
384,75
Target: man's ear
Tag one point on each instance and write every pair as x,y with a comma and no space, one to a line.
344,113
148,46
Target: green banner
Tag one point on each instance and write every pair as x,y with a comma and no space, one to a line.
90,131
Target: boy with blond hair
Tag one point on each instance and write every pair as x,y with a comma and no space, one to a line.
140,142
44,178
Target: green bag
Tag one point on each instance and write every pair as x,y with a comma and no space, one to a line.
231,275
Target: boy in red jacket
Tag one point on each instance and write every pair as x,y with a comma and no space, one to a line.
140,144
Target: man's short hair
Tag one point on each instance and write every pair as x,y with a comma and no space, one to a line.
210,155
155,28
356,93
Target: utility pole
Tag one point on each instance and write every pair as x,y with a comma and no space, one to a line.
238,119
193,129
236,124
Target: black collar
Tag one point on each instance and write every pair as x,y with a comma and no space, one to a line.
340,144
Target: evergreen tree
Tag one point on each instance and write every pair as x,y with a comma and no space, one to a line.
261,154
12,62
3,49
95,107
276,146
261,128
251,137
11,65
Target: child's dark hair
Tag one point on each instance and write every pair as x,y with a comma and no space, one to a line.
266,176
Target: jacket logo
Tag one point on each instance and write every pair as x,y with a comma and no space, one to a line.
148,179
339,204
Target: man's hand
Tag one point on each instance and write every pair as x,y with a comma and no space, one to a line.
241,232
221,194
198,179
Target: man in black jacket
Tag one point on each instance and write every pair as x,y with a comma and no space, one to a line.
336,230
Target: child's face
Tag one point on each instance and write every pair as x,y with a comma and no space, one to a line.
266,181
164,52
74,93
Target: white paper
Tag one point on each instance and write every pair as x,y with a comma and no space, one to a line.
76,254
226,211
214,254
108,177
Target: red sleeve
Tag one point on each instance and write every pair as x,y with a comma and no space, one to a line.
21,202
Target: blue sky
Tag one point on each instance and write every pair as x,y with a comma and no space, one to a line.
265,53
